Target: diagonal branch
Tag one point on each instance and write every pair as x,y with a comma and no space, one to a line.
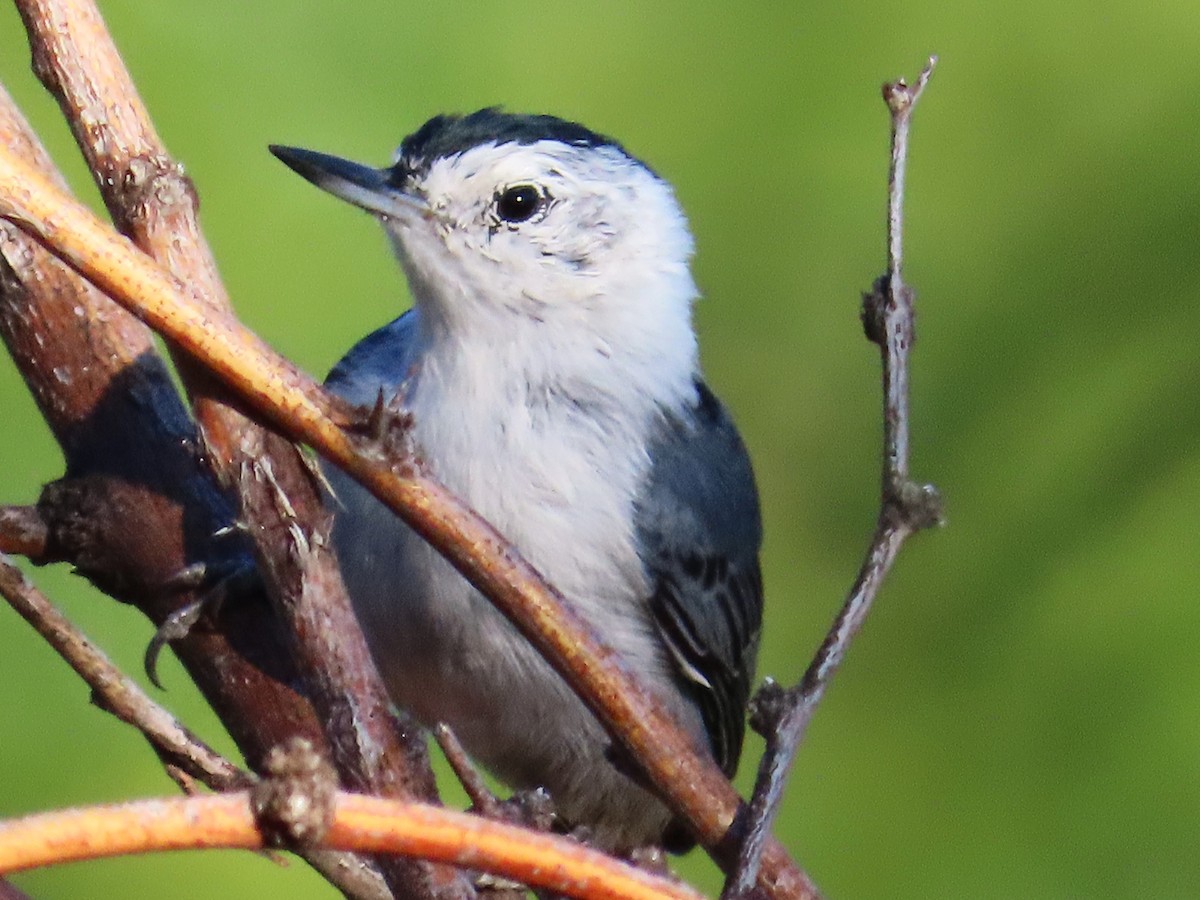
692,784
184,754
116,693
108,398
136,485
906,507
9,892
280,503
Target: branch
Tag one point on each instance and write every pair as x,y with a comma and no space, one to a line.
362,824
108,398
483,801
137,507
113,691
9,892
692,784
177,747
906,507
153,203
22,531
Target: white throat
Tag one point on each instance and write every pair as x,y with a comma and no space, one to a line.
548,350
523,416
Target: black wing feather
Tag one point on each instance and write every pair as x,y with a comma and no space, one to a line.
699,521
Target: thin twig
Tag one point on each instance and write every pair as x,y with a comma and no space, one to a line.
692,784
365,824
115,692
906,507
482,799
530,808
8,891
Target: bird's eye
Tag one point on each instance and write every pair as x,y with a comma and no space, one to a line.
519,203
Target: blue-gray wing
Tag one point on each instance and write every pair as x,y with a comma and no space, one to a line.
381,360
699,522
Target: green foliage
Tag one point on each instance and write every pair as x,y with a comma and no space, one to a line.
1019,718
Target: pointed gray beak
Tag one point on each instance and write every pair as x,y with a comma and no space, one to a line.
353,182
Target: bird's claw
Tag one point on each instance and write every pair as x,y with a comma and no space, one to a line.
175,626
223,579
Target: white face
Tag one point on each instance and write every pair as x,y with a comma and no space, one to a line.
544,229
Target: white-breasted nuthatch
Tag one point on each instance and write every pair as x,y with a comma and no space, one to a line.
550,368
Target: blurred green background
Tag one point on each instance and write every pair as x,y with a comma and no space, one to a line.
1020,717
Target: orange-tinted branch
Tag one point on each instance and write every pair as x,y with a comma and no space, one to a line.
360,824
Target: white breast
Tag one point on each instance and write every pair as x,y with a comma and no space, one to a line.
554,470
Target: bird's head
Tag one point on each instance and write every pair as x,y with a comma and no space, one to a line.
498,218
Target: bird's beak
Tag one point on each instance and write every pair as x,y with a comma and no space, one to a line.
353,182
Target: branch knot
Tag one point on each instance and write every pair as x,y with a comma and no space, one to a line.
294,803
918,506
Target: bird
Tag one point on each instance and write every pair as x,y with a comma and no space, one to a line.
549,365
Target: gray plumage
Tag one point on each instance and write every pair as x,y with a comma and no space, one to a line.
699,527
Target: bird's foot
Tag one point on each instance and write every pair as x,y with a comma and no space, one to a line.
215,582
